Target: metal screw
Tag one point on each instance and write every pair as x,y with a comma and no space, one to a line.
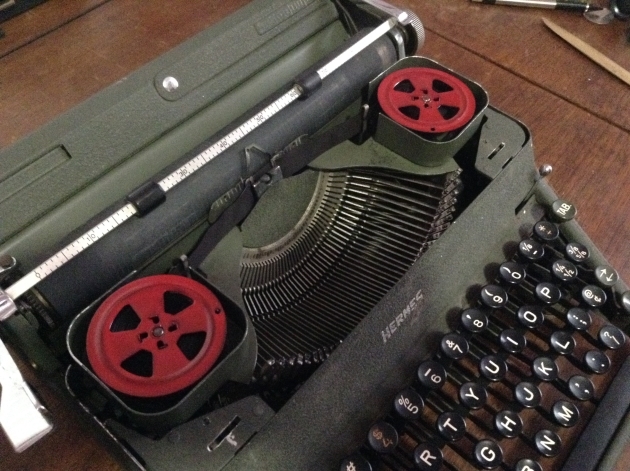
7,262
170,84
545,170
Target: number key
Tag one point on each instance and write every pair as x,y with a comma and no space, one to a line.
454,346
431,374
493,296
474,320
408,404
512,273
383,437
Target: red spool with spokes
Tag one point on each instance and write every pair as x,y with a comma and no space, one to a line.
426,100
156,336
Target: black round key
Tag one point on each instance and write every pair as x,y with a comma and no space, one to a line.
383,437
493,296
454,346
548,293
431,374
597,361
527,394
473,395
546,231
512,273
548,443
355,462
545,369
612,337
579,319
563,210
564,270
581,388
593,295
577,252
488,454
531,250
473,320
428,457
566,413
408,404
508,423
512,340
625,302
493,367
527,465
451,426
530,316
606,275
562,342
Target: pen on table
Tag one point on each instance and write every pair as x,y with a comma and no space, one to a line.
550,4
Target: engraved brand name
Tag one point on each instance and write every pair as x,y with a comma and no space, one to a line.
409,311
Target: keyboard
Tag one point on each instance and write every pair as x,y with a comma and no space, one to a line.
529,372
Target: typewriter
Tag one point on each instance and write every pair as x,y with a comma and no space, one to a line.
253,261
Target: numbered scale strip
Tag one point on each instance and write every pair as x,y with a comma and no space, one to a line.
7,305
229,140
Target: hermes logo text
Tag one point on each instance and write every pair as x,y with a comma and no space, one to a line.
410,310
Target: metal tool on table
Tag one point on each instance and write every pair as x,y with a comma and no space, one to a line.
590,52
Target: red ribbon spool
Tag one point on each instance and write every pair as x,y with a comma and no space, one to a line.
156,336
426,100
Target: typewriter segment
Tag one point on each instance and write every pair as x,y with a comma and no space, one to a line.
526,367
306,295
154,341
271,297
363,229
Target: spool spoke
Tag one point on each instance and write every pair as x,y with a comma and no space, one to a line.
193,319
423,84
122,345
401,99
432,115
450,98
168,362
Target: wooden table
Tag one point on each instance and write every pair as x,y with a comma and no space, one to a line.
64,51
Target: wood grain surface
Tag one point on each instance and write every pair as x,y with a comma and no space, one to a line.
62,52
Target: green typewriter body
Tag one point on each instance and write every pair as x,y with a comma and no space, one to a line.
290,243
